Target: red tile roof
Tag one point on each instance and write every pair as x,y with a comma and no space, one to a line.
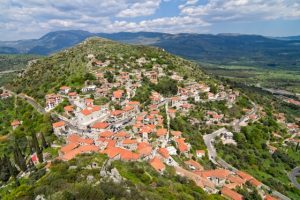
140,118
74,138
71,154
194,164
82,149
218,173
144,149
161,132
88,141
121,134
118,94
110,143
100,125
106,134
69,108
15,123
88,148
58,124
72,94
244,175
86,112
116,112
201,152
64,88
88,101
171,110
164,152
128,155
128,108
236,179
146,129
96,108
268,197
129,141
182,146
176,133
255,182
133,103
231,194
157,164
112,152
69,147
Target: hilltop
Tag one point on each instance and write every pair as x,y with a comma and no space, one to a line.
268,62
110,120
71,67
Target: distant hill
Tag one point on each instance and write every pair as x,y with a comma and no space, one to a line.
15,62
289,38
49,43
220,49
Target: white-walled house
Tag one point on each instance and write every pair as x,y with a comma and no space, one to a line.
90,115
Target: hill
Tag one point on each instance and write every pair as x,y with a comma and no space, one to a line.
251,59
132,121
9,62
47,44
226,49
69,67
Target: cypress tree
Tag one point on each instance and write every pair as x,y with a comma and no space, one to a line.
19,158
38,150
12,169
44,142
4,171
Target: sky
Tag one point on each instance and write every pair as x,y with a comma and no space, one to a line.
25,19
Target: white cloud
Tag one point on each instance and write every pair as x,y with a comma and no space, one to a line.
32,18
221,10
143,8
177,24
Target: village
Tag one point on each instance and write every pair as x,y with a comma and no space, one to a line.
129,130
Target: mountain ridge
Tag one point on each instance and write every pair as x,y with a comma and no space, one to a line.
245,49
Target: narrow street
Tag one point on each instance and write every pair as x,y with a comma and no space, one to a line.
293,177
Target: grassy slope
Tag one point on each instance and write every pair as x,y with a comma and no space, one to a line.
32,122
70,67
15,62
143,182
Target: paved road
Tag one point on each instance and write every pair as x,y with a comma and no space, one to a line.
212,153
29,100
32,102
10,71
293,177
237,125
208,140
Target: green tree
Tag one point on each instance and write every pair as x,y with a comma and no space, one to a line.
166,86
19,158
38,150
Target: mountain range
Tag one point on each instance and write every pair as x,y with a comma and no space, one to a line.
220,49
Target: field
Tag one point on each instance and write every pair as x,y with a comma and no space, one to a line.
268,77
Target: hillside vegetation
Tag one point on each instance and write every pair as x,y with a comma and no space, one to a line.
271,62
15,62
81,178
69,67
